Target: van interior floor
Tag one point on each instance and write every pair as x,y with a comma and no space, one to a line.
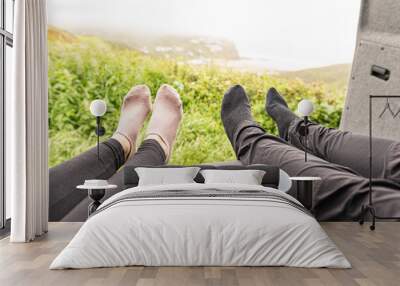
374,255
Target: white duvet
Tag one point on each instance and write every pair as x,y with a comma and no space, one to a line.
201,231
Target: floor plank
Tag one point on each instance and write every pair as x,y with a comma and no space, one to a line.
375,257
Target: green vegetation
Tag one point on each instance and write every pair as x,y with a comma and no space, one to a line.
334,77
85,68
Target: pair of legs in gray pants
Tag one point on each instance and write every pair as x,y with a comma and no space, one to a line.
341,159
68,204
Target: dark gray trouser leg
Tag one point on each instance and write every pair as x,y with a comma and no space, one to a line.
351,150
339,195
69,204
64,178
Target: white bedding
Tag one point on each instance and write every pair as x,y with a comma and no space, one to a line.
183,231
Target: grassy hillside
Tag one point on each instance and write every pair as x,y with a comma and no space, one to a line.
57,35
182,47
85,68
334,77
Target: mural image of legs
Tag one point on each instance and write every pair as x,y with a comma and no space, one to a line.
161,132
66,203
342,191
166,118
336,146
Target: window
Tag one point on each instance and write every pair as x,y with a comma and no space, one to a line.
6,43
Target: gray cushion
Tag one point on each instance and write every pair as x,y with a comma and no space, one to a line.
270,179
247,177
166,176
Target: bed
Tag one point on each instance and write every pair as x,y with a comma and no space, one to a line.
201,224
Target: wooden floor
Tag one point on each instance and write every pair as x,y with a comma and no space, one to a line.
375,257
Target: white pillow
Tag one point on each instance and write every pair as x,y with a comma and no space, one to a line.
166,176
247,177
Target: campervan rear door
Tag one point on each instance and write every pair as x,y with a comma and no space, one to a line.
375,71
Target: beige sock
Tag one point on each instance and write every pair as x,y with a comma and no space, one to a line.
135,108
166,117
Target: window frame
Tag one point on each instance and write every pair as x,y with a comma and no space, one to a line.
6,39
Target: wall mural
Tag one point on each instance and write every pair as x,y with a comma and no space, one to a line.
200,49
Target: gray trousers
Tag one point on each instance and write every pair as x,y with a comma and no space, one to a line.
66,203
339,158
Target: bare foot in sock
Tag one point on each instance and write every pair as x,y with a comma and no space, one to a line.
166,117
235,109
135,108
278,109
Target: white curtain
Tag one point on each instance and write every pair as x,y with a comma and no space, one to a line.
27,123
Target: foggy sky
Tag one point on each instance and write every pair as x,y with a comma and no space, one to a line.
294,33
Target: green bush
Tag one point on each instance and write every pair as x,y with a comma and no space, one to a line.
84,70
